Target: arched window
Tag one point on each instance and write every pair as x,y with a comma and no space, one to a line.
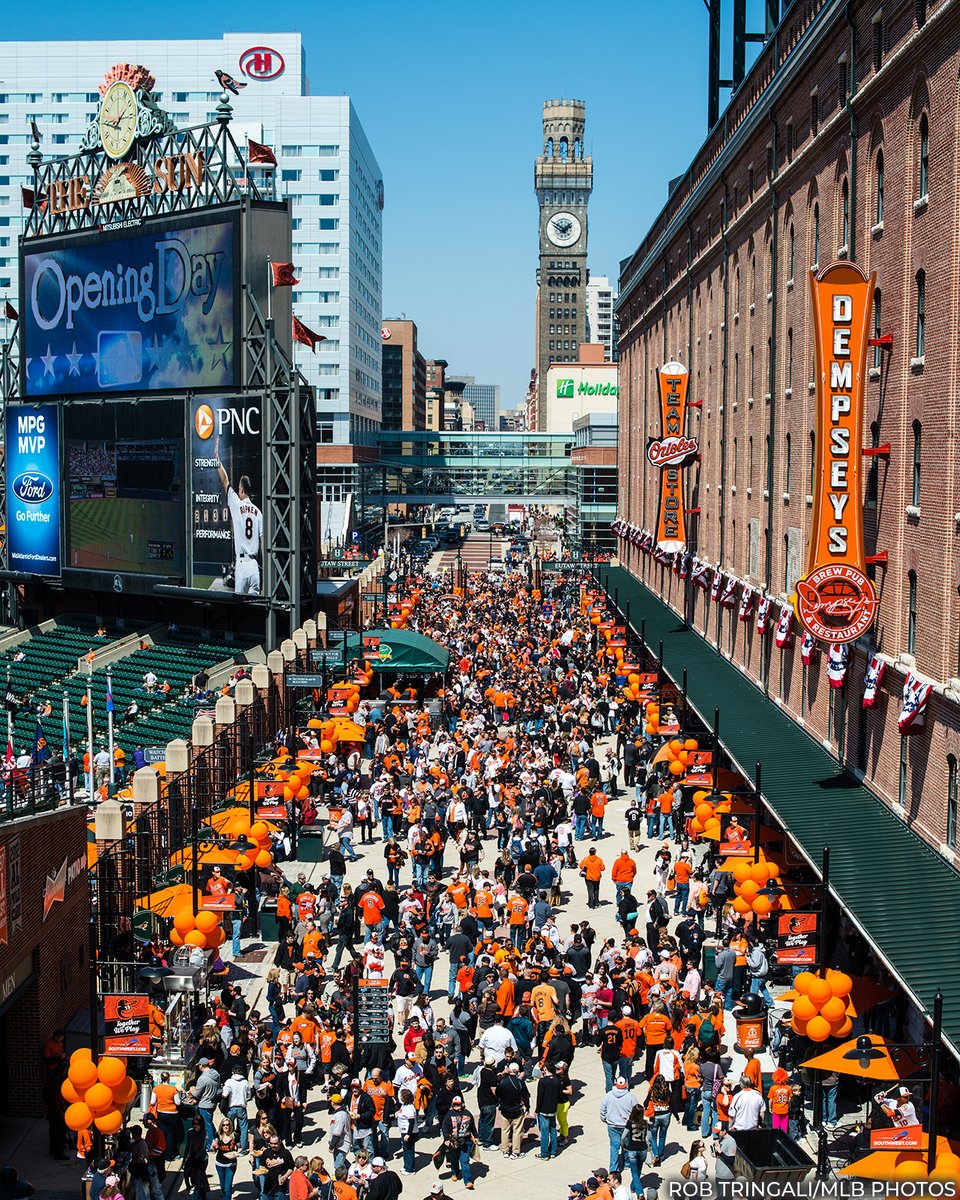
816,235
549,147
911,612
917,435
952,786
736,307
563,149
813,459
923,174
877,310
787,466
873,474
921,339
793,252
790,359
577,149
845,214
878,210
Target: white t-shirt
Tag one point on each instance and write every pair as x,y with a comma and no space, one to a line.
247,524
745,1109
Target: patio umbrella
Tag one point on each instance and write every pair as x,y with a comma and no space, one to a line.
209,855
163,902
868,1056
348,731
219,821
662,755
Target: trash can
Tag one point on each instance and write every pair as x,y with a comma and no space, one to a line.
751,1018
769,1156
269,925
310,843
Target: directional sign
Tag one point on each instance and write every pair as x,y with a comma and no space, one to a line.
373,597
373,1011
336,564
337,635
154,754
321,657
303,681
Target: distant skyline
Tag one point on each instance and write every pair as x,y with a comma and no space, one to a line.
451,99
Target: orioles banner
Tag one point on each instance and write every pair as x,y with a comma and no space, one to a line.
671,452
835,601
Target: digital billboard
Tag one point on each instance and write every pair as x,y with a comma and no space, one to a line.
32,449
154,307
124,481
226,494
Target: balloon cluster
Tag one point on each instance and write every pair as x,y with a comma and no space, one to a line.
202,930
749,878
820,1011
678,754
705,810
96,1093
406,608
256,835
912,1166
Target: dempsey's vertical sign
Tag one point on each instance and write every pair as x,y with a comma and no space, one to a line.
33,489
670,453
835,601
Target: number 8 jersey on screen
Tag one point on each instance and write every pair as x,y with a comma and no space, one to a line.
226,469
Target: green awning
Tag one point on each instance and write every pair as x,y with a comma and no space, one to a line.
404,650
902,894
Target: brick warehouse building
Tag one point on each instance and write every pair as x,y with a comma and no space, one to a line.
841,143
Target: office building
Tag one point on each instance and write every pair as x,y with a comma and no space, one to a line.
436,373
404,376
483,399
601,318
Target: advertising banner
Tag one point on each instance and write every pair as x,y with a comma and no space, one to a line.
670,453
226,490
835,602
797,944
700,768
33,489
126,1025
140,310
904,1137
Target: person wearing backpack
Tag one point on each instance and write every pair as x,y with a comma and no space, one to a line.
725,962
758,968
711,1074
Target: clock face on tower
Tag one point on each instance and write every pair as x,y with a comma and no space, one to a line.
563,229
118,119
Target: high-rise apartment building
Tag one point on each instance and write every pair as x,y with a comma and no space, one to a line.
483,399
326,167
436,373
404,376
601,318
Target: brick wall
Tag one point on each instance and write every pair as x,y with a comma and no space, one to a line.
57,944
721,283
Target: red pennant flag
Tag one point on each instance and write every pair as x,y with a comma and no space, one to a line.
305,336
259,154
283,275
31,198
10,312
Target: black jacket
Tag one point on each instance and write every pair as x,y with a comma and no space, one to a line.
513,1097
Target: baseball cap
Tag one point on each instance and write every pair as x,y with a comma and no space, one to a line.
377,1162
204,1062
905,1091
620,1082
336,1098
577,1189
626,1010
436,1189
593,1183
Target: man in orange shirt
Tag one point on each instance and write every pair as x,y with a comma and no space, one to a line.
379,1089
592,868
517,910
483,905
598,806
371,907
656,1026
630,1029
623,873
682,872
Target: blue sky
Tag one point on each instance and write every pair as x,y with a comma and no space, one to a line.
451,98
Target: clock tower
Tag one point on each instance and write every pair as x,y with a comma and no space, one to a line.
563,179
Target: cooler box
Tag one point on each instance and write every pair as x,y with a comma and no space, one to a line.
769,1156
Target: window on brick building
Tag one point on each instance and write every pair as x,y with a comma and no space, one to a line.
736,462
750,463
921,322
787,464
791,140
813,460
877,310
843,75
736,307
911,612
792,251
845,214
873,472
753,280
753,373
789,362
816,235
878,41
952,792
917,451
814,113
923,173
878,178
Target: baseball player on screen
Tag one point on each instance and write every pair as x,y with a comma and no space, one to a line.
247,522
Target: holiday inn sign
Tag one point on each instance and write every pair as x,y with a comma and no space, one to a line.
565,389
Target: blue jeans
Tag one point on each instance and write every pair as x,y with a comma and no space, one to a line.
652,824
596,828
665,824
238,1115
681,897
548,1134
486,1124
226,1175
726,987
690,1111
625,1068
581,828
658,1134
615,1134
609,1074
207,1115
830,1104
409,1144
635,1160
346,847
709,1118
393,874
425,976
386,824
235,926
459,1160
337,881
759,988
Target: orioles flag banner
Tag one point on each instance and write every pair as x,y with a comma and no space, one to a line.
835,601
671,452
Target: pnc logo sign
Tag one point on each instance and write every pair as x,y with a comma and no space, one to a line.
203,421
260,62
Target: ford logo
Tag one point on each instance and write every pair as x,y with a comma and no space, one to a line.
32,487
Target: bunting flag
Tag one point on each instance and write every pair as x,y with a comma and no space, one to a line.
728,597
808,649
29,198
306,336
876,669
763,614
283,275
700,573
41,751
9,759
10,312
746,604
684,565
916,694
837,662
784,633
717,586
676,562
259,155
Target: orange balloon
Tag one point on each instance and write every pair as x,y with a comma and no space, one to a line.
803,981
326,745
834,1010
70,1093
207,921
691,744
77,1117
676,746
303,792
195,938
819,992
840,983
740,905
741,870
696,825
259,830
749,889
264,858
126,1092
184,921
762,906
82,1054
176,939
818,1029
760,873
704,812
98,1098
111,1070
217,938
244,862
798,1026
82,1074
677,767
841,1029
911,1169
804,1008
110,1122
